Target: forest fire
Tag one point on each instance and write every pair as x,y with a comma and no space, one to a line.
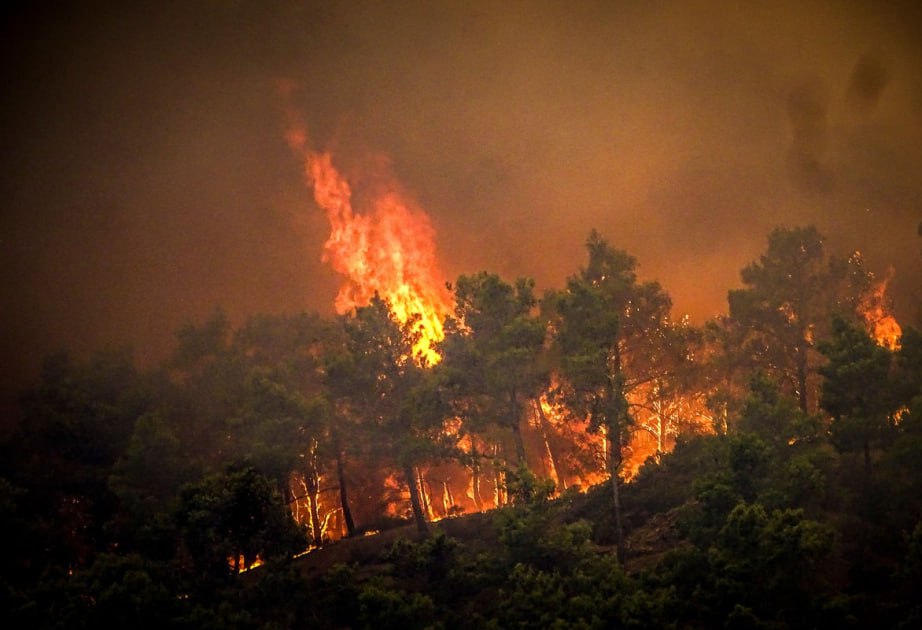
384,245
464,314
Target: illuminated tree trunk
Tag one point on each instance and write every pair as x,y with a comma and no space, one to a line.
499,483
552,460
418,515
448,500
425,494
475,477
312,482
293,497
499,494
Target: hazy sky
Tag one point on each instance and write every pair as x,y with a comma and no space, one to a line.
146,180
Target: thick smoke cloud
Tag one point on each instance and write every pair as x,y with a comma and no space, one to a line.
146,180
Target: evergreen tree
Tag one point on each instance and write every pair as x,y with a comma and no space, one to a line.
607,325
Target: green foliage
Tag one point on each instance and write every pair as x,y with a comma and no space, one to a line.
608,325
759,568
234,514
857,391
197,344
148,475
432,559
790,294
907,579
492,353
122,504
802,482
381,607
76,423
398,401
669,483
525,488
775,418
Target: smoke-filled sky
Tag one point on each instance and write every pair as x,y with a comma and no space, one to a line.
146,179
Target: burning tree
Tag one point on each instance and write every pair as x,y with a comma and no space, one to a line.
492,359
664,395
387,386
606,324
381,242
786,308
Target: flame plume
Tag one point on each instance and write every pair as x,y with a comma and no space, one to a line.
386,247
877,315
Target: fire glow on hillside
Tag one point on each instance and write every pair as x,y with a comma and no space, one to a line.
384,245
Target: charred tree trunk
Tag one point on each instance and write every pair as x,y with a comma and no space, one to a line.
343,494
418,515
519,443
515,421
618,419
614,466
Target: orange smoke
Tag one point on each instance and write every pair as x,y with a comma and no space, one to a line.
385,247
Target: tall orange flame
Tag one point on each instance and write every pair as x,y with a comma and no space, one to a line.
878,318
384,247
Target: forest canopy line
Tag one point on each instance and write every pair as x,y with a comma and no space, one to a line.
776,450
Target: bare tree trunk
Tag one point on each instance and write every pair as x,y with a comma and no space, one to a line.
475,477
499,483
312,483
448,500
425,494
519,443
515,422
297,478
552,460
614,464
421,525
343,494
